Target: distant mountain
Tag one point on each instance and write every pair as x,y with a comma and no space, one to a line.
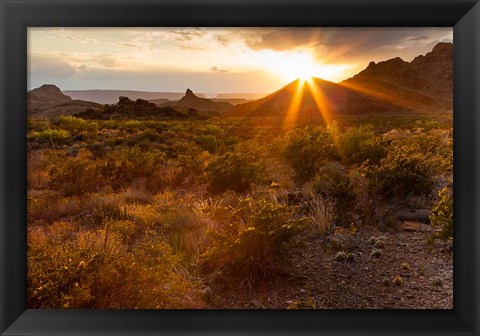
49,101
111,96
391,87
191,101
424,84
247,96
233,101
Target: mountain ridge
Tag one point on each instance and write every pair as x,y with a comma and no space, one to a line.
393,86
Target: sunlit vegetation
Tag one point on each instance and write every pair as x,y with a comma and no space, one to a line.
153,213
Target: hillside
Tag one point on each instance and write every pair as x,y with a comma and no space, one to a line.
335,99
192,101
390,87
49,101
425,83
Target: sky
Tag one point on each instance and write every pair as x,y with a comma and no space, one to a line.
213,60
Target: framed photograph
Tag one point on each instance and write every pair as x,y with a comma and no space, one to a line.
239,167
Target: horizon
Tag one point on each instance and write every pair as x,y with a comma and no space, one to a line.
213,61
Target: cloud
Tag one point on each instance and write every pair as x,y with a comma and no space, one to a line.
45,69
48,66
280,38
107,61
217,69
356,40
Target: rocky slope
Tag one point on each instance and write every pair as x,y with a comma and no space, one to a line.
391,87
49,101
429,76
192,101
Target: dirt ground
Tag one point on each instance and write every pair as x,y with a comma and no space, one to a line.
405,274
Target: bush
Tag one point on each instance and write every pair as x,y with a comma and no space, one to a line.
191,160
75,176
405,171
208,142
442,216
234,171
333,182
307,150
124,165
76,125
257,242
51,136
68,268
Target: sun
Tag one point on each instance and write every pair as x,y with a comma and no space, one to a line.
292,65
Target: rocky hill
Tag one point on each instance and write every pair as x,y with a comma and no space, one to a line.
425,83
391,87
49,101
111,96
140,109
192,101
319,98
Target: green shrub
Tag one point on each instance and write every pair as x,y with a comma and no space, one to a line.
332,182
76,125
306,150
257,242
124,165
208,142
51,136
68,268
75,176
405,171
442,216
233,171
191,160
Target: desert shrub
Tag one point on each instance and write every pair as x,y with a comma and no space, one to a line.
132,126
333,182
53,137
234,171
257,242
254,147
439,147
208,142
50,206
442,216
307,149
373,150
68,268
191,160
427,125
348,142
124,165
345,238
180,225
75,176
213,130
405,171
76,125
37,176
321,211
110,212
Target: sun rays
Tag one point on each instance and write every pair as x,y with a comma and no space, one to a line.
292,114
306,86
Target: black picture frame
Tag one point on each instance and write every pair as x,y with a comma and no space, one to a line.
17,15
